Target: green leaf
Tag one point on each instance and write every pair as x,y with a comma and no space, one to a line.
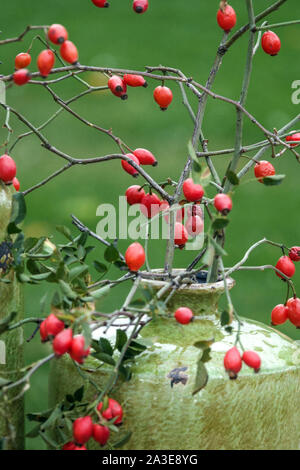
197,167
121,340
105,346
66,289
34,432
232,178
18,213
201,377
273,180
86,331
192,152
220,223
78,395
65,231
106,358
219,250
78,271
111,254
138,303
100,267
123,440
209,255
99,293
225,318
4,323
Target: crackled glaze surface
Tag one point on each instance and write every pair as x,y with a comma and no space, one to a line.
12,419
257,411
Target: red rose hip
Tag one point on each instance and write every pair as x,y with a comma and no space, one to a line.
129,168
286,266
22,60
270,43
114,410
150,205
134,194
279,315
194,225
233,362
223,203
181,235
294,253
69,52
82,429
21,77
293,306
78,351
293,138
101,3
226,18
117,86
135,256
45,62
192,192
62,342
16,184
163,97
263,169
135,80
183,315
53,325
8,169
140,6
252,359
145,157
101,434
57,34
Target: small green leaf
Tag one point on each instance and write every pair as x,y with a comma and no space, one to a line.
220,223
219,250
4,323
66,289
78,271
121,340
123,440
111,254
78,395
209,255
99,293
65,231
225,318
106,358
105,346
201,377
232,178
273,180
86,331
100,267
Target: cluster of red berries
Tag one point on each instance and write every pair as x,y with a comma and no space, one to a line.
58,35
53,329
84,429
233,361
290,311
139,6
118,86
8,171
140,157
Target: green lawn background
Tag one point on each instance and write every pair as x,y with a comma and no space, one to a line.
178,34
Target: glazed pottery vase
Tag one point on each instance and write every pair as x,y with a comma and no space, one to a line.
256,411
11,343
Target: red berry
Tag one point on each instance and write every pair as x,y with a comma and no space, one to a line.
114,410
195,209
145,157
233,362
117,86
293,306
294,253
263,169
134,195
223,203
192,192
57,34
101,3
270,43
180,235
135,80
16,183
79,448
252,360
101,434
226,18
183,315
140,6
43,332
279,315
21,77
163,97
135,256
69,446
165,207
194,225
22,60
150,205
45,62
286,266
68,52
62,342
294,137
8,169
78,351
129,168
82,429
54,325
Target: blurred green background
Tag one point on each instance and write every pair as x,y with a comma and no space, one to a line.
178,34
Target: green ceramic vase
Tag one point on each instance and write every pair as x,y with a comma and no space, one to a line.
256,411
11,344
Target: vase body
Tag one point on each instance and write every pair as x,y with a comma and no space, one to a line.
256,411
11,343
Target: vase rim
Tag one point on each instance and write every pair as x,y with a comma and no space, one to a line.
216,287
